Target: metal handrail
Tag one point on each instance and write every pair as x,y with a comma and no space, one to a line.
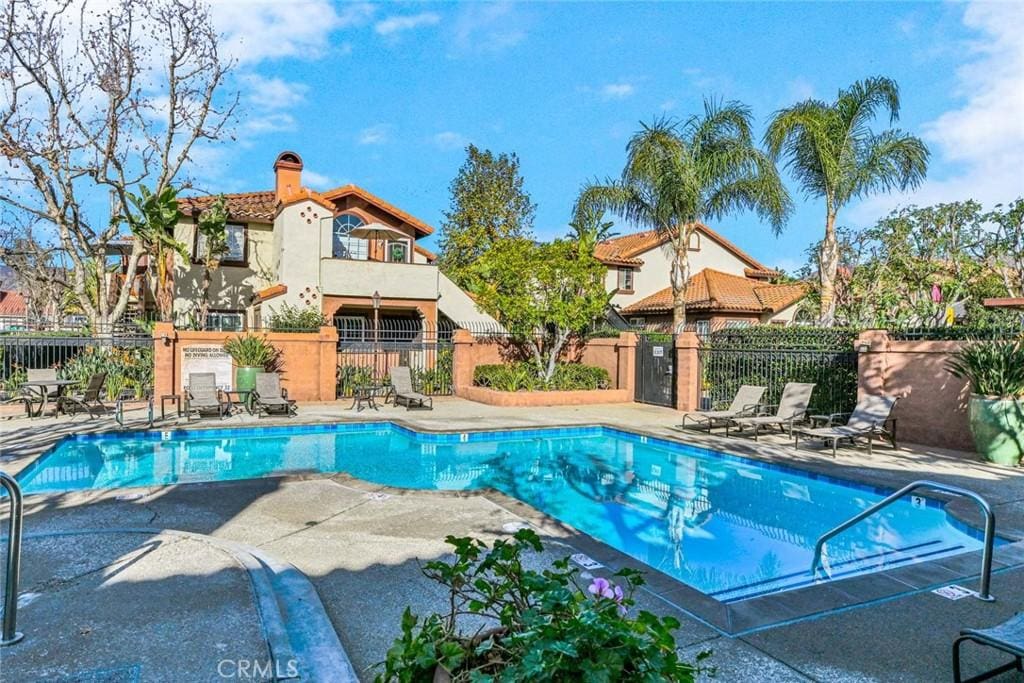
9,634
990,526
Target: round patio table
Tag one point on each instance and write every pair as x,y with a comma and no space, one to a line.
43,384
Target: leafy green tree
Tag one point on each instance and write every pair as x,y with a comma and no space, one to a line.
832,152
488,204
152,222
679,175
1004,250
543,294
213,233
589,227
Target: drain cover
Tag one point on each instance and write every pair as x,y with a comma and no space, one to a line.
119,674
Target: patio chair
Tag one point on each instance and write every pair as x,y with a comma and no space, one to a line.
270,398
872,416
42,394
792,408
90,399
1007,637
744,403
204,398
401,386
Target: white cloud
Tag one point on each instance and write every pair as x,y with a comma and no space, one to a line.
374,135
488,27
257,30
271,93
982,140
400,23
617,91
450,140
317,180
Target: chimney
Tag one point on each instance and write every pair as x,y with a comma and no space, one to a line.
287,174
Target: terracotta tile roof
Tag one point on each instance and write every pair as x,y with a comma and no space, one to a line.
624,250
713,290
346,190
12,303
250,206
761,273
304,194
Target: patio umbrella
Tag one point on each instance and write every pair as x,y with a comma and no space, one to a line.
377,231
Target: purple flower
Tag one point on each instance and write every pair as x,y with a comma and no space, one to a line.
618,594
601,588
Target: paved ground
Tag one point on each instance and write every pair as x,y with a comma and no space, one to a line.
362,553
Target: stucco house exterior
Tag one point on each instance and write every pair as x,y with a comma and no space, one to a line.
292,245
727,285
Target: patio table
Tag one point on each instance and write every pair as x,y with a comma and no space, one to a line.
42,385
366,394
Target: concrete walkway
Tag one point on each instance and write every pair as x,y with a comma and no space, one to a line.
361,547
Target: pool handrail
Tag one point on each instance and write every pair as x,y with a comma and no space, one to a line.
9,634
986,509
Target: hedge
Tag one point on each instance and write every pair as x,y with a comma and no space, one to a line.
523,377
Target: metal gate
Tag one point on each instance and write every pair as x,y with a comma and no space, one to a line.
367,354
655,370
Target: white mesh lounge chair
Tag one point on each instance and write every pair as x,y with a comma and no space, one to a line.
204,398
404,394
91,399
792,409
744,404
872,416
270,397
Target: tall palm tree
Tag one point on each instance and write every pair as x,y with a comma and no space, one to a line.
677,175
833,153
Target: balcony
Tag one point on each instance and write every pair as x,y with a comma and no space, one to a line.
344,277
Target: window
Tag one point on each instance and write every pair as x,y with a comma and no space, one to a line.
694,241
626,279
702,328
234,254
225,321
398,251
637,322
345,246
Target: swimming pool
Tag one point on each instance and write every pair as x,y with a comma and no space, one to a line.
730,527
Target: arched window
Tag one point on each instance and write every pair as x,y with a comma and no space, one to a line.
345,246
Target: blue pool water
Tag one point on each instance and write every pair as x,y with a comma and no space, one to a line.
730,527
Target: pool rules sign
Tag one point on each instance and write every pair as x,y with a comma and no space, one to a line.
206,358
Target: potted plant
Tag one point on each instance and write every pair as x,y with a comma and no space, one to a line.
251,353
995,370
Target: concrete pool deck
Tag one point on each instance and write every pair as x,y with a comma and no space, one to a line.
360,545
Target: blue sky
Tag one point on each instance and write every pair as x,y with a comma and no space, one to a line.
386,96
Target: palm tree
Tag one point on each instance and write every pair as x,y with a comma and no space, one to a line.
833,153
678,175
156,215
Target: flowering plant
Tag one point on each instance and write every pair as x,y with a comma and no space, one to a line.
506,622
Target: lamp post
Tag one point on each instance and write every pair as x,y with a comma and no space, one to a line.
376,328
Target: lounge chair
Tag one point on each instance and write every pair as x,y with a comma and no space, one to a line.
873,415
90,399
204,398
269,397
1007,636
401,387
792,409
744,404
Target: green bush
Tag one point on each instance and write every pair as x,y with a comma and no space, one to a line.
250,351
523,376
290,318
128,368
438,379
506,622
348,377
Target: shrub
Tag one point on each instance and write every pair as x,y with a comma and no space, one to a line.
348,377
290,318
532,625
994,368
523,376
127,369
250,351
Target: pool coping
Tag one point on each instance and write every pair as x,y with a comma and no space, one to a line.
735,618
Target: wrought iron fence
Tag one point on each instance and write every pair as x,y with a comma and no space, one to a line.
771,356
366,354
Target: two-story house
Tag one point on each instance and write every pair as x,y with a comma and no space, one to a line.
727,285
343,251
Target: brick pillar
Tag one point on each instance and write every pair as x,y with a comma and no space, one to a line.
165,351
626,350
872,362
328,365
687,371
463,360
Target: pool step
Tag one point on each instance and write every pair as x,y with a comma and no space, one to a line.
880,561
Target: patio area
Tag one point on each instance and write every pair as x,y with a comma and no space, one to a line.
92,596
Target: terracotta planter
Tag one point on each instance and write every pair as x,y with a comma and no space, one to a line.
997,425
245,378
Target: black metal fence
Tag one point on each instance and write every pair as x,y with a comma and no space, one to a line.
368,351
771,356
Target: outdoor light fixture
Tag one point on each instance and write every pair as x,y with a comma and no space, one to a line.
376,300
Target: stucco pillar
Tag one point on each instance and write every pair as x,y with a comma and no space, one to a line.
872,347
328,363
164,357
463,360
687,371
626,350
